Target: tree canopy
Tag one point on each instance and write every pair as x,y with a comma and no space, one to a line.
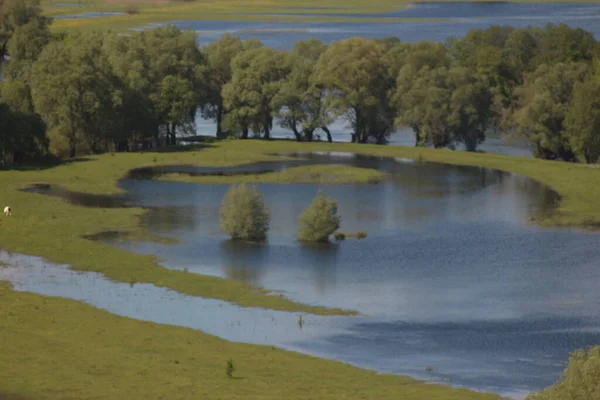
103,91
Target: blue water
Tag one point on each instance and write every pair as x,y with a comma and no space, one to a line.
464,17
88,15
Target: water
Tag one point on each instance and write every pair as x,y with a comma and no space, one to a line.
89,15
460,18
452,274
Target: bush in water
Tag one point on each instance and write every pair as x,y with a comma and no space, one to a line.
244,214
319,220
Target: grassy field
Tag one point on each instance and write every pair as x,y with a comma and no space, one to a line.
61,349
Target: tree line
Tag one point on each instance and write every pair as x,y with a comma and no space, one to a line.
74,94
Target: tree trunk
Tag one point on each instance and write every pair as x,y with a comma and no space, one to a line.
309,133
296,133
219,122
245,132
326,130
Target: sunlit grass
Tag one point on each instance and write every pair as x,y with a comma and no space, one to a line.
56,348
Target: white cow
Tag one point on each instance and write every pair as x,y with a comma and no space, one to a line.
7,211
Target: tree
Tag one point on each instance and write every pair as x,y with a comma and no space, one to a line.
319,220
582,123
444,106
218,55
299,104
258,74
354,73
244,214
542,105
15,14
579,381
22,136
72,89
161,73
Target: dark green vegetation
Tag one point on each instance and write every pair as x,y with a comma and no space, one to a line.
244,214
320,219
61,349
580,381
71,95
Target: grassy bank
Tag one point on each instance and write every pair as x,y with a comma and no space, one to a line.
50,227
61,349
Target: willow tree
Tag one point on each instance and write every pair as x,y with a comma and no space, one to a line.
354,72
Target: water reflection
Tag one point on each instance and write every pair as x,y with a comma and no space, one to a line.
322,259
243,261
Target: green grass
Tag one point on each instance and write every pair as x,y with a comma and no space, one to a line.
304,174
55,348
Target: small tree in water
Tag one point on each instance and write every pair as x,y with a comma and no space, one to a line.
243,214
319,220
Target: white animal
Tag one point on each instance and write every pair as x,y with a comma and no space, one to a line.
7,211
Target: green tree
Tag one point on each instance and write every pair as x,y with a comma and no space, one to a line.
582,122
218,55
72,90
15,14
414,65
319,220
542,105
162,72
22,136
354,72
579,381
258,74
244,214
300,104
444,106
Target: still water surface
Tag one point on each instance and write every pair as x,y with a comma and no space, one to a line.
452,274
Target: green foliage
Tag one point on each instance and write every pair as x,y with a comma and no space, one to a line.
354,71
582,123
580,380
339,236
229,368
257,76
444,105
244,214
543,103
361,235
319,220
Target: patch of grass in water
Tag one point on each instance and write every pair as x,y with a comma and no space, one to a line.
55,348
326,173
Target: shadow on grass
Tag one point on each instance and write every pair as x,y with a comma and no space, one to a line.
179,148
8,396
43,165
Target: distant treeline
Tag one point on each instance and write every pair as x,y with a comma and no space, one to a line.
76,94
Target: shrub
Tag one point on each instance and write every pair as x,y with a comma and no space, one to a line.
361,235
132,9
579,381
319,220
243,214
339,236
229,368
